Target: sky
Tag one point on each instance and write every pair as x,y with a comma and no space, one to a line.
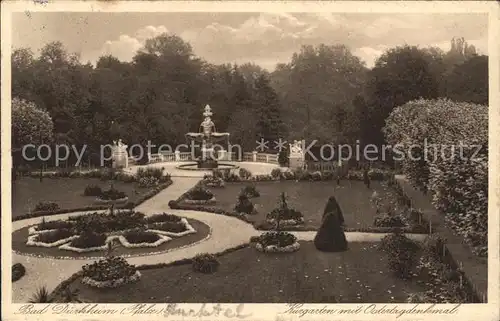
262,38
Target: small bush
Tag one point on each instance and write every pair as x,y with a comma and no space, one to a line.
250,191
109,269
205,263
244,173
112,194
89,239
386,220
149,172
18,271
200,194
244,205
54,236
150,181
92,190
46,207
401,253
283,157
173,204
141,237
276,173
277,238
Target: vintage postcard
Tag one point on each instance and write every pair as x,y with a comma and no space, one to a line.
204,160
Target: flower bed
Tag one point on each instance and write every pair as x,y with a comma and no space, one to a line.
287,217
123,200
88,242
200,202
51,238
175,229
277,242
109,273
136,239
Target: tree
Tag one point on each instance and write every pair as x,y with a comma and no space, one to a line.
30,125
468,81
400,75
330,236
268,110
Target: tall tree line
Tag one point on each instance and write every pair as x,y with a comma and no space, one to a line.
324,92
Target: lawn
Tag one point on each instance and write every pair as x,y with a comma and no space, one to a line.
66,192
359,275
308,197
20,237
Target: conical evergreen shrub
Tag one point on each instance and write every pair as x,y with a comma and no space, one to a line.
330,236
332,206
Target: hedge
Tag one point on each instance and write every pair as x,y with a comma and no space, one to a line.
458,181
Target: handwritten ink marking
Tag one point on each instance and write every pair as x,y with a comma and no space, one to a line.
42,2
27,13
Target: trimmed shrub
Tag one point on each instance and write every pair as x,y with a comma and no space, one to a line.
244,205
46,207
283,157
330,236
459,181
244,173
200,194
276,173
146,172
332,206
112,194
250,191
401,253
18,271
149,181
92,190
205,263
388,220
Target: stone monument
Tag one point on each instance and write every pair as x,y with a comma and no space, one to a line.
119,154
208,135
297,156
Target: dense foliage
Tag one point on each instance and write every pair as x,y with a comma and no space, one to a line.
452,161
109,269
205,263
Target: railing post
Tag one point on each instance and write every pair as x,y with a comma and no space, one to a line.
254,156
177,156
267,158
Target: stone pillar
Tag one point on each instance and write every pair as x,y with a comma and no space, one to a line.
177,154
297,156
254,156
222,155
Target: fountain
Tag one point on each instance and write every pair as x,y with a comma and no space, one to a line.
207,136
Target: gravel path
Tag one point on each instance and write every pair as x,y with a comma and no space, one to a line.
227,232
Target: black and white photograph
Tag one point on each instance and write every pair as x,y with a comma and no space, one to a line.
216,156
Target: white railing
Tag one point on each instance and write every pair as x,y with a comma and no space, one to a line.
187,156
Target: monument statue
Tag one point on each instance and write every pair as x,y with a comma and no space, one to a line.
207,135
119,154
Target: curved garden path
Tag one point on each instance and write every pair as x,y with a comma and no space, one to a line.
226,232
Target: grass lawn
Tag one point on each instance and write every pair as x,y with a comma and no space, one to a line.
66,192
20,237
308,197
359,275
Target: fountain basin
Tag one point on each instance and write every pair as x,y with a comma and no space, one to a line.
194,167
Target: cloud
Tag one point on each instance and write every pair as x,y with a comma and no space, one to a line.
126,46
270,38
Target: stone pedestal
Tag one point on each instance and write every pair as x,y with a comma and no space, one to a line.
297,157
222,155
119,155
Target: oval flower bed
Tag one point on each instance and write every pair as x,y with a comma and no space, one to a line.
109,273
50,226
277,242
